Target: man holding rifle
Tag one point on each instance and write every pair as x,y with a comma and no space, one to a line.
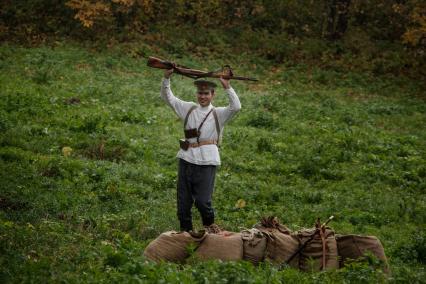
199,153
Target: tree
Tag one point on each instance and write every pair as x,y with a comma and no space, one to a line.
337,19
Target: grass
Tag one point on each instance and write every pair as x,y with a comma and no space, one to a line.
308,143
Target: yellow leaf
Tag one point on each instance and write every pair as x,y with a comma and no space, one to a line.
8,224
66,151
241,203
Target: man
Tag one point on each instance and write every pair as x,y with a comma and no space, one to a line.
199,153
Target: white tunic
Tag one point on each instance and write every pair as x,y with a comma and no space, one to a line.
206,154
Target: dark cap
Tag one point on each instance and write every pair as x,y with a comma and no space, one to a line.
203,85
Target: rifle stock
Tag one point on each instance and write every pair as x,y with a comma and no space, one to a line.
155,62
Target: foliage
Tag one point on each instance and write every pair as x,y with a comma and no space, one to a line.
416,33
295,18
377,36
89,12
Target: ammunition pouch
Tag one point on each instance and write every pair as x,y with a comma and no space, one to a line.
184,144
191,133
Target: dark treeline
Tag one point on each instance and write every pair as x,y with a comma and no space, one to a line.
276,29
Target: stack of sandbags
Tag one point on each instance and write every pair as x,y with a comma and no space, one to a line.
309,249
320,253
356,246
254,245
172,246
225,246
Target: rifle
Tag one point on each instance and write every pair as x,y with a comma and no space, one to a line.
318,229
225,72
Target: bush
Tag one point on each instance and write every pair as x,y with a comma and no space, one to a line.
262,119
413,249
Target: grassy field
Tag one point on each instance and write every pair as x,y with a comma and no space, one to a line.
88,168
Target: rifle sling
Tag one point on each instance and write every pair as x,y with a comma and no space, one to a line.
324,248
302,247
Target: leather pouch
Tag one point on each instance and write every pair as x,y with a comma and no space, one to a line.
184,144
191,133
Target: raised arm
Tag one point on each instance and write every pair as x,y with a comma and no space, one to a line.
226,113
179,106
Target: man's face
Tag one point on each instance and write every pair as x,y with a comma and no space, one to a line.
205,97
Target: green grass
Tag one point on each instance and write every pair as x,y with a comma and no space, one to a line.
308,143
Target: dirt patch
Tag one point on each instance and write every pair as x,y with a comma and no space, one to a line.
104,151
7,204
72,101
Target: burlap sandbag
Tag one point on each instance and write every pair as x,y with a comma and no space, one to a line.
172,246
226,246
355,246
254,245
281,243
281,247
311,257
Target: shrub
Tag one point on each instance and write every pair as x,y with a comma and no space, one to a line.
262,119
413,249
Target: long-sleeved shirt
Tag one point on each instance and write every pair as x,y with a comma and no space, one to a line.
206,154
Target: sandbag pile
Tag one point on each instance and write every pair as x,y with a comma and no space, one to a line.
308,249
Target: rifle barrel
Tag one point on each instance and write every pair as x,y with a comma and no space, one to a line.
328,221
230,77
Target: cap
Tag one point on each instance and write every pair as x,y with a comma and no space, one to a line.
203,85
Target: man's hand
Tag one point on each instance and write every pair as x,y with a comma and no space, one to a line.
168,73
225,83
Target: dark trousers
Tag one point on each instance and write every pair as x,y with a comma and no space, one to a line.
195,185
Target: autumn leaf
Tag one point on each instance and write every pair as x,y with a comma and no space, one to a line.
66,151
241,203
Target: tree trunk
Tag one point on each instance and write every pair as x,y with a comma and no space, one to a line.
342,18
337,18
330,19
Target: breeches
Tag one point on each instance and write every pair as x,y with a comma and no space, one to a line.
195,185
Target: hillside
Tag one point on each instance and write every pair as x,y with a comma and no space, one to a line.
88,168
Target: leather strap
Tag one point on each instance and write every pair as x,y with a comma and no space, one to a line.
187,115
201,125
216,120
201,143
324,248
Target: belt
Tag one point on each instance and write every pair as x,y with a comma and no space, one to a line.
201,143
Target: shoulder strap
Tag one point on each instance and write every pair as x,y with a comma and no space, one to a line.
216,120
187,115
204,120
201,125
